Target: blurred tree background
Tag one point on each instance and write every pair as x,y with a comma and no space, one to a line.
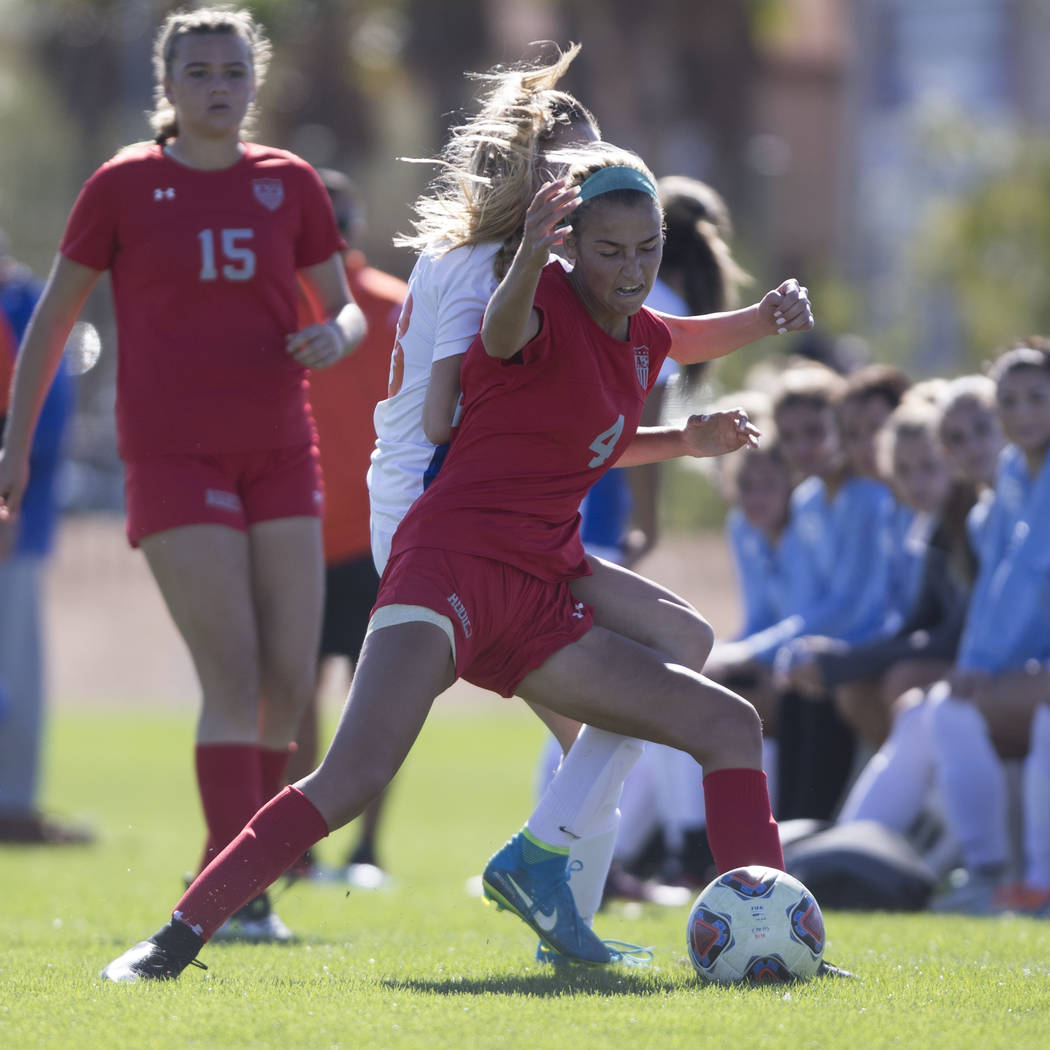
893,156
356,85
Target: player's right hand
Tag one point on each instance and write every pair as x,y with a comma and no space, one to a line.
553,204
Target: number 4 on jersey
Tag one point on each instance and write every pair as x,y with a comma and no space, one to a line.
602,446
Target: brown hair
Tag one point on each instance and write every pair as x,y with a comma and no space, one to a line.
697,258
811,384
205,20
1033,352
882,381
581,162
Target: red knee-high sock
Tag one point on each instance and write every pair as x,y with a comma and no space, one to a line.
230,784
276,837
272,765
740,826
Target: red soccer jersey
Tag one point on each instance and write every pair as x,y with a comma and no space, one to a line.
203,266
537,432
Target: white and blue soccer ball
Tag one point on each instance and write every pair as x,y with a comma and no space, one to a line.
755,924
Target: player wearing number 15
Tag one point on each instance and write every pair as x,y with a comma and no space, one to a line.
205,235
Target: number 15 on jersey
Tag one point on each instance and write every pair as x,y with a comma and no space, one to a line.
236,258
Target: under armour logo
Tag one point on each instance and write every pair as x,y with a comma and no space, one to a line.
167,194
577,610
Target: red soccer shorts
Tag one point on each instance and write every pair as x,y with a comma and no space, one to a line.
235,489
505,622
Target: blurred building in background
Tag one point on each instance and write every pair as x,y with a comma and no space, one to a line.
893,154
948,102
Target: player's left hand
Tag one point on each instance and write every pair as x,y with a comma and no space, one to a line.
719,433
317,345
806,679
787,308
799,668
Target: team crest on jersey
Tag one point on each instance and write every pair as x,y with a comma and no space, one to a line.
641,365
269,192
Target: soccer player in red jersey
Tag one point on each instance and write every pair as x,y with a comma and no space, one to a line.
467,227
478,581
205,235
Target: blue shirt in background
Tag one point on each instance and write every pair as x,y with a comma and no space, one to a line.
910,534
19,294
761,575
1008,620
837,556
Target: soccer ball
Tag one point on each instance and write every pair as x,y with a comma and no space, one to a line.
755,924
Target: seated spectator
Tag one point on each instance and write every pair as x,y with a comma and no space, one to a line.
1003,659
836,550
925,557
897,786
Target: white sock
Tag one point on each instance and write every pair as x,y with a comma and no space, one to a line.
893,786
1037,802
581,803
589,860
972,780
637,809
584,794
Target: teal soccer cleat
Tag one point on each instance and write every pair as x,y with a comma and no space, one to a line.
531,880
620,953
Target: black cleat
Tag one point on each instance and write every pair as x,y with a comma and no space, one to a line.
162,958
827,969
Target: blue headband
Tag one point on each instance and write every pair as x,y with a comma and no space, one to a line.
616,177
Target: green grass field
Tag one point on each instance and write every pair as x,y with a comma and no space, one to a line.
424,964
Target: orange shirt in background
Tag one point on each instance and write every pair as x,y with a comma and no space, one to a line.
342,399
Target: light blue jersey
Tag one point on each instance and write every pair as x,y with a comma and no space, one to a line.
1008,621
837,554
761,575
910,534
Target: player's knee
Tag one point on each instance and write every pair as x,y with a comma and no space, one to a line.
703,640
289,687
736,737
229,701
747,724
232,681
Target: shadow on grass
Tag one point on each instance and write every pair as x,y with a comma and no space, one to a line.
601,983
